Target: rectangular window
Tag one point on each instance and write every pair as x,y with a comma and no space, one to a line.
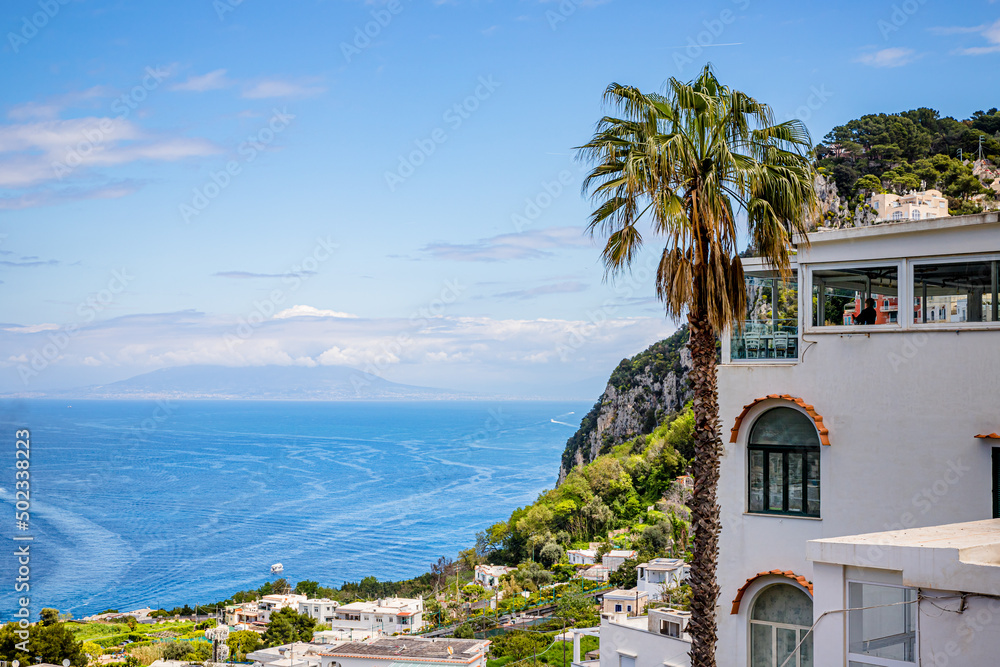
882,623
771,328
841,296
618,607
626,661
955,291
791,477
670,628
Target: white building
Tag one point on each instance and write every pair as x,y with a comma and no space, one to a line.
614,559
241,614
488,576
657,640
322,609
911,206
299,654
595,573
269,604
661,574
862,467
582,556
407,651
367,620
631,602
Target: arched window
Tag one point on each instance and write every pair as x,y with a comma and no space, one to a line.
784,464
781,616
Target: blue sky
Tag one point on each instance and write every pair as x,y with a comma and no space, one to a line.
388,185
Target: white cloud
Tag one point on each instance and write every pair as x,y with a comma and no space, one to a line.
278,88
33,328
533,357
990,32
531,244
891,57
214,80
310,311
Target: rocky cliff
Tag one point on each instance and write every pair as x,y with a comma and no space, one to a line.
640,393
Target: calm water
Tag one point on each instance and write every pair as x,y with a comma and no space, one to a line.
135,503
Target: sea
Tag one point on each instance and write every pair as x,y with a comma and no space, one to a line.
166,503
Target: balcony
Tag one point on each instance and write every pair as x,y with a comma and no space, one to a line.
771,330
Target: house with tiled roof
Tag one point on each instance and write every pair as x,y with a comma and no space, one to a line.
860,480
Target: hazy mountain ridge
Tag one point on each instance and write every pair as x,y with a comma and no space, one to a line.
256,383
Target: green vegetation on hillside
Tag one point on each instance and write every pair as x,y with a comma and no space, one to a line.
911,150
614,491
658,360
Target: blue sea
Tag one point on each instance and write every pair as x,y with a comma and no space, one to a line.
137,503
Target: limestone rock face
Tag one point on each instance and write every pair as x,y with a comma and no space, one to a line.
640,393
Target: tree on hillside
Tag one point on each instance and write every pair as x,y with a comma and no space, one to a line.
286,626
242,642
50,641
686,162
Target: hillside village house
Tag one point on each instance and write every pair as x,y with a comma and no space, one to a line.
367,620
661,574
241,614
911,206
629,602
582,556
860,479
488,576
616,558
269,604
322,609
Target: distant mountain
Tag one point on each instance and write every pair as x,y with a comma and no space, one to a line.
319,383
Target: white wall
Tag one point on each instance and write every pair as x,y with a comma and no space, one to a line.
902,408
650,649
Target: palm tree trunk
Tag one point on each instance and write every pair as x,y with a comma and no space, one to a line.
704,505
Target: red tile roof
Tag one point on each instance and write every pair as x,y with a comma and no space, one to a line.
990,436
784,573
824,432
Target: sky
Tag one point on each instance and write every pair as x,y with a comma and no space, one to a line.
386,185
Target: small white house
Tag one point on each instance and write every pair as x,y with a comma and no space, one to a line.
661,574
582,556
488,576
614,559
322,609
269,604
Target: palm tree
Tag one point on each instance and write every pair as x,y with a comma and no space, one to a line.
685,163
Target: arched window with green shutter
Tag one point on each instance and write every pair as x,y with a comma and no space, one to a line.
784,464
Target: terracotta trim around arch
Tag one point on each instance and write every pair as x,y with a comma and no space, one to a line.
782,573
989,436
824,432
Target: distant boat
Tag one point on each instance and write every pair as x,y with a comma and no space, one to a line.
276,568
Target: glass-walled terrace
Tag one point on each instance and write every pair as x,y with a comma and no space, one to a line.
770,330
